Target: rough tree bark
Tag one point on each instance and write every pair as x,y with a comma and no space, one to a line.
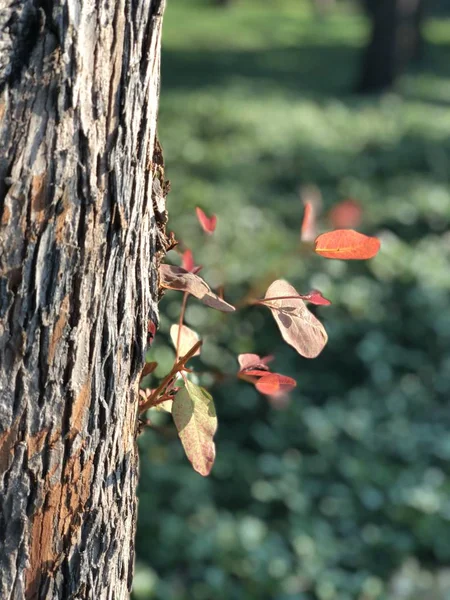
396,39
79,247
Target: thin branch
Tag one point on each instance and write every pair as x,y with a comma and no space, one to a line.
177,367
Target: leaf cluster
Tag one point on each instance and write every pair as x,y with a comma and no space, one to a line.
192,406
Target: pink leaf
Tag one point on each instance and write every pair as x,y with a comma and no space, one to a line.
315,297
187,262
253,361
177,278
151,330
346,214
298,326
208,224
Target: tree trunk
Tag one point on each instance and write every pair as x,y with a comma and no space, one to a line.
395,40
79,248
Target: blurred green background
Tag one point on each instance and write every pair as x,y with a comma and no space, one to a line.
345,492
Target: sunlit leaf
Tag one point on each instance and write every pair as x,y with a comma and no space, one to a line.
208,224
188,339
311,198
298,326
346,244
177,278
273,384
195,418
308,229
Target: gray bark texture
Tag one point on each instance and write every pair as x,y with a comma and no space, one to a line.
80,244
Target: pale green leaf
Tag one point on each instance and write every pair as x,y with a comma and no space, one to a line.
195,418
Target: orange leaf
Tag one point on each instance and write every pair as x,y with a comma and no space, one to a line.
274,384
346,244
298,326
208,224
308,230
177,278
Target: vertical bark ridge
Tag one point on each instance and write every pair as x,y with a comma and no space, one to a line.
78,284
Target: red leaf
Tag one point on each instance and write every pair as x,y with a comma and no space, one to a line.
274,384
151,332
315,297
177,278
187,262
254,372
298,326
208,223
308,229
346,244
346,215
253,361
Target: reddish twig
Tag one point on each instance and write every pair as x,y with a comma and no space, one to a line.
178,366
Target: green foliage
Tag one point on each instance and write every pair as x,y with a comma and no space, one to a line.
328,498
